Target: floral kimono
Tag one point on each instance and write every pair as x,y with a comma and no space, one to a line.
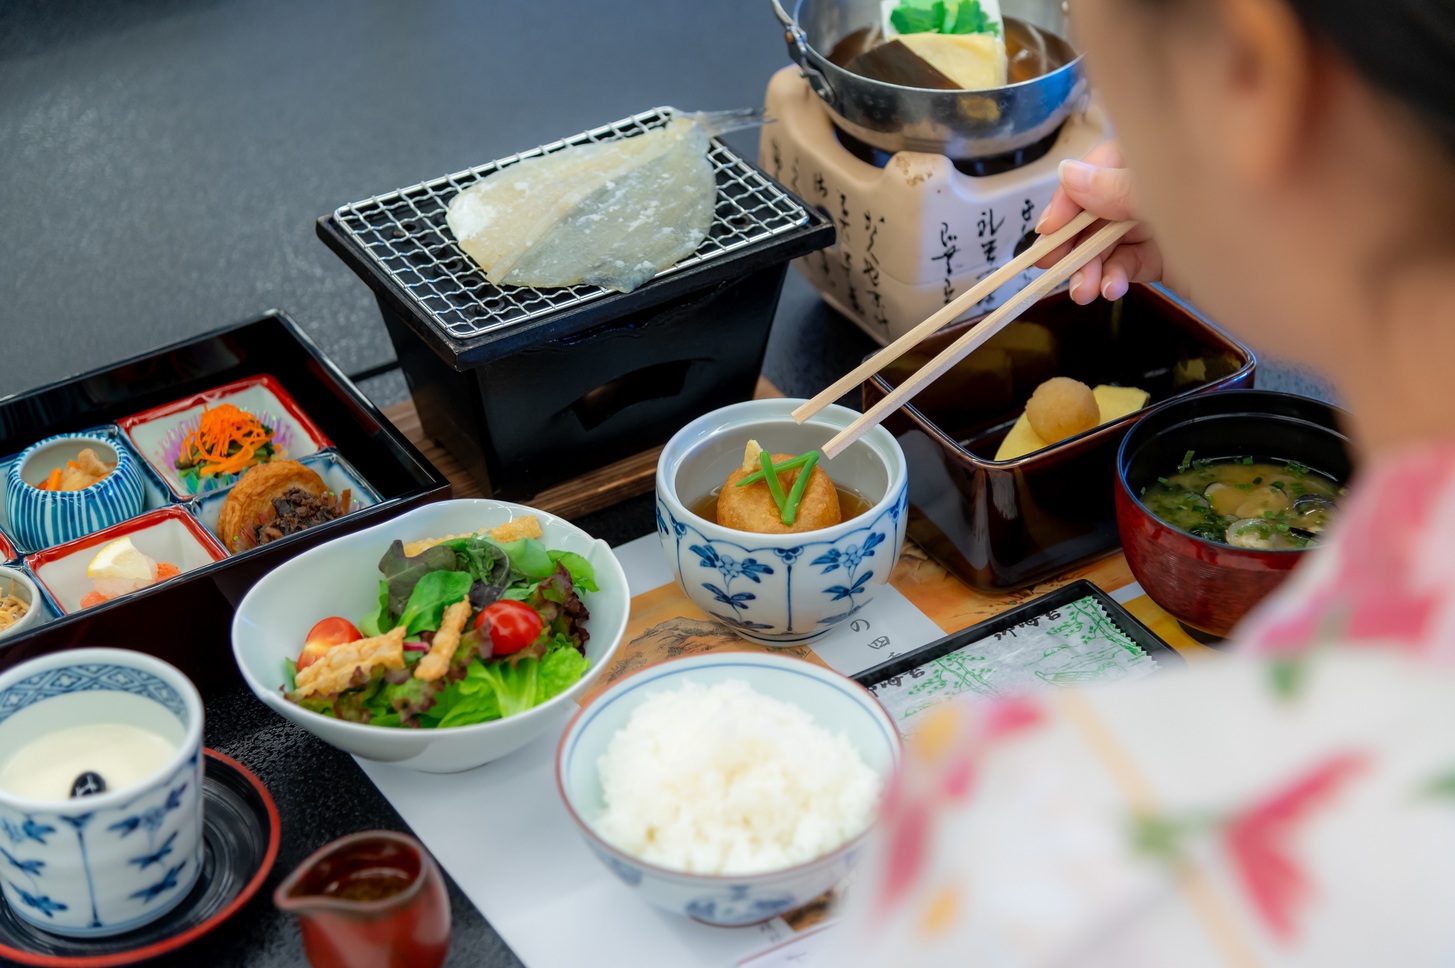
1290,803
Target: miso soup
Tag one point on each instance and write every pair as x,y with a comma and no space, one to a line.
1267,505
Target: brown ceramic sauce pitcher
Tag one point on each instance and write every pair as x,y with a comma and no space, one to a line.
370,900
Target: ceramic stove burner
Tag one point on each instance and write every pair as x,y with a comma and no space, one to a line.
914,229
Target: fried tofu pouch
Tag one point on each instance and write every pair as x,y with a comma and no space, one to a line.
250,502
752,508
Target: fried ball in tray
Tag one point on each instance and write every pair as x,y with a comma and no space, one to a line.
752,508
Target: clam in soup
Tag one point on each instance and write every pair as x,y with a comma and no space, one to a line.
1264,505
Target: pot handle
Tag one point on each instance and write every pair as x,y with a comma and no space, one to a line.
797,42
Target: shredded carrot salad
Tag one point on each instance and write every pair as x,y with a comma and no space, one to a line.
226,441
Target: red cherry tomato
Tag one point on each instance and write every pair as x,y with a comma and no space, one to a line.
324,636
513,625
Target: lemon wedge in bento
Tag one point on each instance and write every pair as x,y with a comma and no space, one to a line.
120,567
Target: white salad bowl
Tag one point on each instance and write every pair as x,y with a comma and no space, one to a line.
341,577
837,704
780,589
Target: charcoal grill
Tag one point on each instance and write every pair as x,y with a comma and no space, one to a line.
529,387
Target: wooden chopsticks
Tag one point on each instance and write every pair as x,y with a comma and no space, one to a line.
1103,239
951,312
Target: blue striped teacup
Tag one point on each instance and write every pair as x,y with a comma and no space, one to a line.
41,519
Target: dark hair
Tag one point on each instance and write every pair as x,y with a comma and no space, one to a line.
1405,47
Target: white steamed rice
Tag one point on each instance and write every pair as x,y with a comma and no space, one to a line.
722,779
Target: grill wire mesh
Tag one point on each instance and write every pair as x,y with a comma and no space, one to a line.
405,234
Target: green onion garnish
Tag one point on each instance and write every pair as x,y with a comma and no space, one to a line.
775,486
1186,461
790,511
787,465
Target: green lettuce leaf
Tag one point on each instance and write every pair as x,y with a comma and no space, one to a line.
491,690
529,557
466,702
561,668
403,573
432,593
485,560
379,620
583,575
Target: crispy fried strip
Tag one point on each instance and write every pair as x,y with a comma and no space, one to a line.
436,662
526,527
333,672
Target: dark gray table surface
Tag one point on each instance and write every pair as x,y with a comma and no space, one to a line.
161,166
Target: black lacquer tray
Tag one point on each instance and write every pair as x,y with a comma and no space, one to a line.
186,620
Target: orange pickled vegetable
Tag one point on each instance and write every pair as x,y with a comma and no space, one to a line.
210,446
165,569
53,481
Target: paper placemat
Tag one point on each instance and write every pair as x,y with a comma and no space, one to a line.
528,871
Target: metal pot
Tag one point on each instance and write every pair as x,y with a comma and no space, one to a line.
959,124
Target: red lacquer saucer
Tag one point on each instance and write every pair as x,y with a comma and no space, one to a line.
240,832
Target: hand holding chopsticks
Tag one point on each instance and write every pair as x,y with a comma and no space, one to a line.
952,311
1104,238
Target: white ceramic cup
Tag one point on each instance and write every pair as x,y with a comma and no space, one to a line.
111,862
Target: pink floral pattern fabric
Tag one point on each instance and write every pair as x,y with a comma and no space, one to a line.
1387,575
1220,815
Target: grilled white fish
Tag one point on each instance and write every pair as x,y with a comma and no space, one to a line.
612,213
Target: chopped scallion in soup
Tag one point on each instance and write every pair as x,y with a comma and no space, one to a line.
1247,503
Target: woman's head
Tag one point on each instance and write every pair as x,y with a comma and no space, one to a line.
1285,150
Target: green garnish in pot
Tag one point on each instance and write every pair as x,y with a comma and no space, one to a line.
775,486
1277,484
1296,469
942,16
1186,461
1162,481
787,465
1247,460
790,510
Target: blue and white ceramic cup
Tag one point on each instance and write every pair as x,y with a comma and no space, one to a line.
110,862
41,519
782,589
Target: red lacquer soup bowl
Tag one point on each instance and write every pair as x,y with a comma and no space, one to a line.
1206,585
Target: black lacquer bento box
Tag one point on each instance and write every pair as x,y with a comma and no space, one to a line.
143,407
531,387
1007,524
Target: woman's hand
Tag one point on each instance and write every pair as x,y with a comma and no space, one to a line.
1101,184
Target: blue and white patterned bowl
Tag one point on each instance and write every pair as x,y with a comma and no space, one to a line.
835,703
40,519
109,863
780,589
